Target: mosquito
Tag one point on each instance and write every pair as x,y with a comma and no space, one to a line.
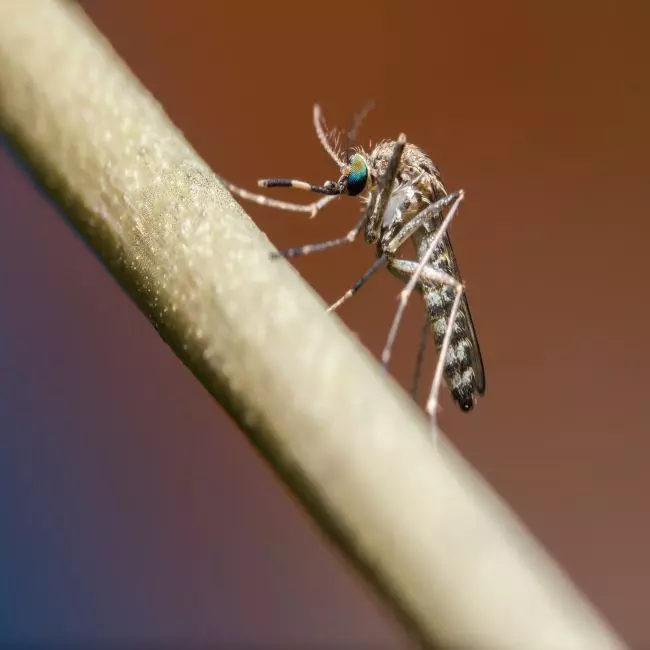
404,198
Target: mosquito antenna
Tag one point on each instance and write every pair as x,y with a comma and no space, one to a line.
355,124
322,136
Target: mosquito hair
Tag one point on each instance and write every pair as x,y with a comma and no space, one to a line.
357,120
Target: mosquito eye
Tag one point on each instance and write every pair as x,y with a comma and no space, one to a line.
358,175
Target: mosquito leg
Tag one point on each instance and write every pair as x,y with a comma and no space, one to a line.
379,201
404,277
408,290
432,403
434,276
427,214
359,283
424,336
321,246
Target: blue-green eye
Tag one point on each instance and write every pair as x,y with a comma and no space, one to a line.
358,175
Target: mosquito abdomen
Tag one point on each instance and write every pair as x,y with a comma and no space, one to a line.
458,366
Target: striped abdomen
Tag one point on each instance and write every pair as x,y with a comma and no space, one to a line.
463,368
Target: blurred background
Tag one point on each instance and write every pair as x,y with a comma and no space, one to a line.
134,512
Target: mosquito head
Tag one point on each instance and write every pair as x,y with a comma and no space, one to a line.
354,176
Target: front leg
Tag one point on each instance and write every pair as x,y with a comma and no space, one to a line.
380,197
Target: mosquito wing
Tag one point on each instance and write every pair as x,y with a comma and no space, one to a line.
475,352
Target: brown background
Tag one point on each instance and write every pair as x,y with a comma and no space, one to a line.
539,110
